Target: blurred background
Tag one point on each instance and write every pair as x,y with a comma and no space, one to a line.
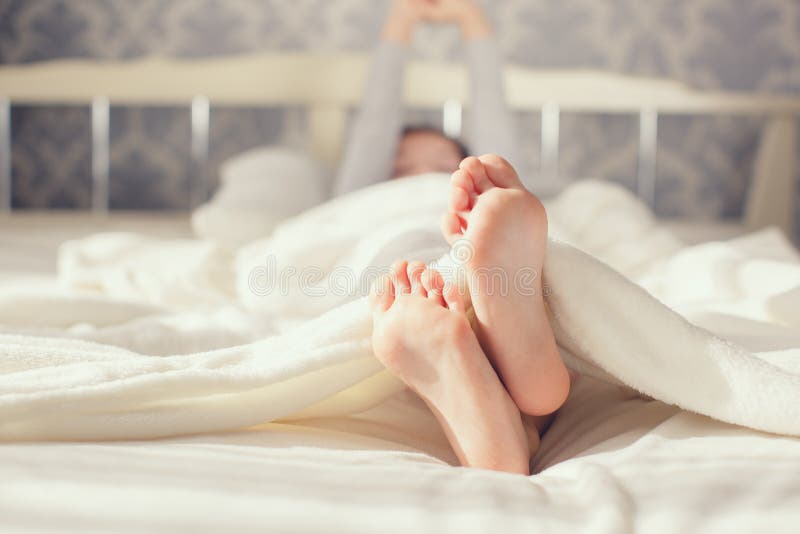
704,165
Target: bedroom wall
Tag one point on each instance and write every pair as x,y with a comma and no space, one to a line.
703,166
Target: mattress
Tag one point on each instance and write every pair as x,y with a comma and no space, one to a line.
30,240
613,460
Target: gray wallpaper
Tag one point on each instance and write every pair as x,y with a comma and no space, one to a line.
703,166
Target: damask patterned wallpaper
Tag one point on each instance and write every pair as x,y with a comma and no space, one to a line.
704,164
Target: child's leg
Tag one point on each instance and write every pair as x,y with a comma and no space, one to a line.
421,334
504,229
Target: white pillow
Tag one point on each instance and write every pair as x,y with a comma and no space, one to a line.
259,189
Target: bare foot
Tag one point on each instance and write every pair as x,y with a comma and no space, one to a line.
505,229
422,335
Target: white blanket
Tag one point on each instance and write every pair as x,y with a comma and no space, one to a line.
607,326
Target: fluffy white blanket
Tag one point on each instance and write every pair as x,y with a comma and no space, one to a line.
163,344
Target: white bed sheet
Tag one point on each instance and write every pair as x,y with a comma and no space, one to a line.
627,471
617,467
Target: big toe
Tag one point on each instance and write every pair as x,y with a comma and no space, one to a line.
500,172
453,298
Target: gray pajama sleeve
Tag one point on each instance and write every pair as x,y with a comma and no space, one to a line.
375,134
491,124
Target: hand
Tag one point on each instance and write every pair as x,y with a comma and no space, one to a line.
466,13
403,18
448,10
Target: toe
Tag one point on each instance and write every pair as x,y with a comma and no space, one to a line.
402,285
462,179
432,280
459,195
453,298
433,283
436,297
452,227
476,170
381,296
414,271
500,172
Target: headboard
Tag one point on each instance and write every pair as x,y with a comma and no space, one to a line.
330,85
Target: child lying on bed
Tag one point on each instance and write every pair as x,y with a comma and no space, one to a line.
479,383
379,148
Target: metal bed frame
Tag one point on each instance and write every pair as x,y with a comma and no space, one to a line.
328,86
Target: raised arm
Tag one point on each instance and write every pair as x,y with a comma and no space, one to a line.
373,140
492,129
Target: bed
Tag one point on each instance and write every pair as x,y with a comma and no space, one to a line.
147,387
